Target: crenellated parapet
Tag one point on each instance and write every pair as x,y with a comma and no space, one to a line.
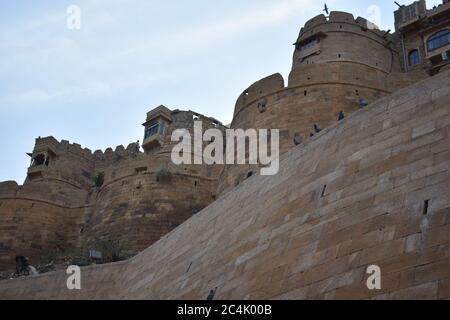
259,90
142,195
342,38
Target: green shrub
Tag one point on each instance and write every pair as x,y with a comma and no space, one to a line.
98,179
163,174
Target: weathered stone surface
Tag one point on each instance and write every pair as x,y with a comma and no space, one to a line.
271,237
368,189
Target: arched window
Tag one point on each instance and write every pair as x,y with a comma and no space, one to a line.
438,40
414,57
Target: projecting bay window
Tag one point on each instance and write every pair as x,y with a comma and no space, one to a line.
158,120
154,134
151,130
438,40
312,42
309,46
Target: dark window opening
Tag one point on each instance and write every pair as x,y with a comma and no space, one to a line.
140,170
306,93
39,160
189,268
323,191
438,40
414,57
426,204
262,107
339,55
151,130
195,183
357,92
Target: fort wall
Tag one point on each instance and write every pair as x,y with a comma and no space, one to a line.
34,227
59,208
367,190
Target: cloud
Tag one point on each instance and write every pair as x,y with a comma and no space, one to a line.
261,17
38,96
92,62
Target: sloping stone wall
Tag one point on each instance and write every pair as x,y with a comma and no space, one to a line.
350,197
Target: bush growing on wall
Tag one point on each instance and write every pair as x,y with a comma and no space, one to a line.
98,179
163,175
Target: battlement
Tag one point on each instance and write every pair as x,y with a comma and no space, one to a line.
8,189
258,90
185,119
439,10
332,39
340,17
130,150
54,146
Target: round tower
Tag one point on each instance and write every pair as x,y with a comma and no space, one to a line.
144,195
339,64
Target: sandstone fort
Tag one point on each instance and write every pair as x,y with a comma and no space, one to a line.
364,179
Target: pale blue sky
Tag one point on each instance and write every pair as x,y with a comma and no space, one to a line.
94,86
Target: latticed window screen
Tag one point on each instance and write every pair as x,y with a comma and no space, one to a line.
151,130
438,40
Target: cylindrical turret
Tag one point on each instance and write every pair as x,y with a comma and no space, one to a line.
339,64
